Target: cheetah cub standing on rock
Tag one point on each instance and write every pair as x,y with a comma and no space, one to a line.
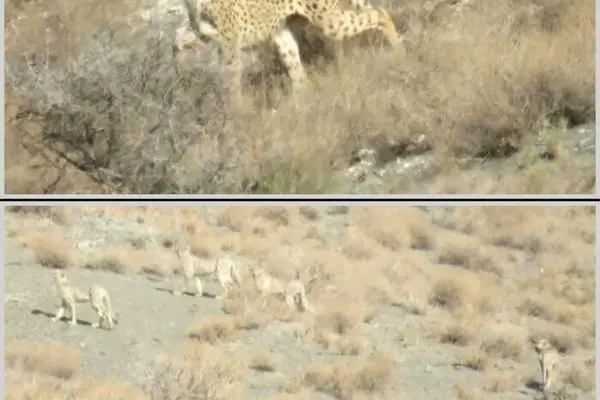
69,297
223,268
236,25
548,359
100,300
294,293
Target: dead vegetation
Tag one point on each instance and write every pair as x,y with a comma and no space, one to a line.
344,381
35,371
489,279
98,107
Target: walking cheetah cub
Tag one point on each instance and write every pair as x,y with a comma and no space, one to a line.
548,359
223,268
100,300
69,297
294,293
236,25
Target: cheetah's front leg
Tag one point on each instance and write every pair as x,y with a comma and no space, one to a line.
291,302
59,314
225,292
180,286
547,379
98,324
288,51
73,316
199,288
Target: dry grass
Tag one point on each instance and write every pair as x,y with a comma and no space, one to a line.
215,329
52,248
505,74
457,290
37,371
498,381
209,377
59,362
344,380
265,362
581,376
473,358
129,260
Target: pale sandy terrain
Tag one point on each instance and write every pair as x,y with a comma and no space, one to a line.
414,303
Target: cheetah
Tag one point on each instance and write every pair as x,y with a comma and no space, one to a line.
236,25
222,268
548,359
100,301
294,293
69,297
227,275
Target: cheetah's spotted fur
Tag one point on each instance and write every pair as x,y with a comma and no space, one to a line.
239,24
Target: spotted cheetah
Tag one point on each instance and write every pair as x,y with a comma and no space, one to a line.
236,25
294,293
548,359
222,268
227,274
100,300
69,297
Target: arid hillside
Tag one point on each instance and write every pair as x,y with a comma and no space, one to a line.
409,303
485,97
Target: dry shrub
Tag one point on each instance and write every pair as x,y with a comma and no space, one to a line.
357,245
467,252
473,358
205,244
128,260
498,381
459,290
52,248
341,321
412,304
264,362
59,362
214,330
235,218
422,237
581,376
546,306
389,227
213,377
25,385
310,213
504,341
458,333
344,380
57,215
279,216
352,344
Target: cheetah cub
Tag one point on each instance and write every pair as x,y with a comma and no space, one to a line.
548,359
223,268
69,297
236,25
100,300
294,293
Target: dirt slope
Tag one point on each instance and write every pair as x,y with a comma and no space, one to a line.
153,322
